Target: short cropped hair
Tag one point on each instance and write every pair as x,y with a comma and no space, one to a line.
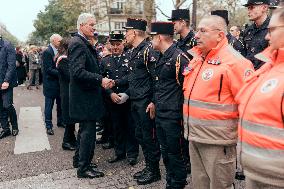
83,18
54,36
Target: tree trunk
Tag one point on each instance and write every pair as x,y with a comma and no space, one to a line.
149,11
194,9
177,3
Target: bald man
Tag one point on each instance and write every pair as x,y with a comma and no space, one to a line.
210,114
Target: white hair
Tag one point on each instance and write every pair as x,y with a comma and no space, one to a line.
83,18
53,37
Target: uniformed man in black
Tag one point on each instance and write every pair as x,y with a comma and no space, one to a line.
181,20
168,102
140,91
254,35
115,67
233,41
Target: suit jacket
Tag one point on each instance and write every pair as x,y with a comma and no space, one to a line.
86,100
7,63
50,74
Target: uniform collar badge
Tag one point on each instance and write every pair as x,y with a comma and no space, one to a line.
153,59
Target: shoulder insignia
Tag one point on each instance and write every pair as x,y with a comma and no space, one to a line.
214,61
185,56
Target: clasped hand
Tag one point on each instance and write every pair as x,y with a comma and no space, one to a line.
107,83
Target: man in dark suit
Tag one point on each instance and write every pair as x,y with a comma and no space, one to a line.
86,100
8,80
51,84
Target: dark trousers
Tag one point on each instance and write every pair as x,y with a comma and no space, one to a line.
169,132
146,133
86,142
185,151
7,110
49,102
69,134
123,126
106,122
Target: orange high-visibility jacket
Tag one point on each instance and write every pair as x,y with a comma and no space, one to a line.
210,113
261,126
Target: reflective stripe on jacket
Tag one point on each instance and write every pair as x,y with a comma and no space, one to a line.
210,112
261,127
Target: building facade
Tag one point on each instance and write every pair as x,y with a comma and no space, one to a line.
112,14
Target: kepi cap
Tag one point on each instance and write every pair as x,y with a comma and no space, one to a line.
165,28
138,24
180,14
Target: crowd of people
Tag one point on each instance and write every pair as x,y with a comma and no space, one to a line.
189,100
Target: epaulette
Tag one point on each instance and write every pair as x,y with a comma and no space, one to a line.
178,68
146,57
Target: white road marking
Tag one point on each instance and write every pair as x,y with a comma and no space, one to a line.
32,136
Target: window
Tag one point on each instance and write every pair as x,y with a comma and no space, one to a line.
119,25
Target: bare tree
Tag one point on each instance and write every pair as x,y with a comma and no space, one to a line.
149,11
237,13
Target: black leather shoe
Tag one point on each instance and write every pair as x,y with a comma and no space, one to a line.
50,132
15,132
132,161
188,168
61,125
90,174
240,176
101,141
149,177
116,159
100,132
108,145
92,165
169,186
140,173
5,133
68,146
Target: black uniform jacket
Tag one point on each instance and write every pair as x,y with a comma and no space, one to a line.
237,44
187,43
141,69
116,68
168,83
254,41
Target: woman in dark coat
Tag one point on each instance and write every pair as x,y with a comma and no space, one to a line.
69,139
21,70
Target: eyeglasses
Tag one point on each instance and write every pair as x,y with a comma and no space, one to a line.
202,30
272,28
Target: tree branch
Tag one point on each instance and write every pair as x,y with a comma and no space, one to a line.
180,4
162,12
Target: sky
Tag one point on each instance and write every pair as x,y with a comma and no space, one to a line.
18,15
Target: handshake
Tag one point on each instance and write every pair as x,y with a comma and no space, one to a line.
108,83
